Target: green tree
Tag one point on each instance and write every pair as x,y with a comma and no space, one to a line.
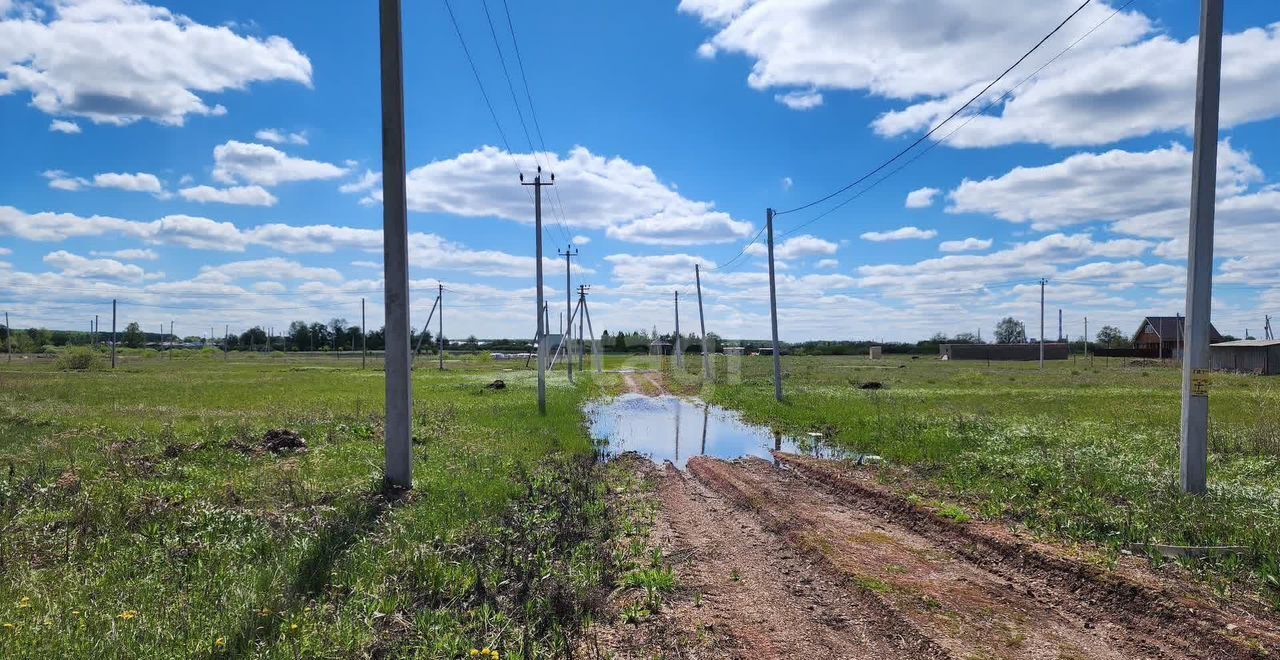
1111,337
133,337
1011,331
319,336
255,337
299,336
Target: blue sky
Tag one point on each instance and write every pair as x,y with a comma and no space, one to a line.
218,163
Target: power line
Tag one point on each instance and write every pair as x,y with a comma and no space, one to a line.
740,252
969,120
533,113
940,124
564,230
480,83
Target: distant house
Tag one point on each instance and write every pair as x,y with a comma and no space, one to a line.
733,350
1164,336
1257,356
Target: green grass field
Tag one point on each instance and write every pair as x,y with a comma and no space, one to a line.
1082,450
141,519
141,516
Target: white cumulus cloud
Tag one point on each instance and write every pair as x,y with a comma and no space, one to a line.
625,200
121,61
967,245
64,126
921,198
899,234
242,195
247,162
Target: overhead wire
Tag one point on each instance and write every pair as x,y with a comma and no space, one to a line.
502,59
940,124
533,113
945,138
457,29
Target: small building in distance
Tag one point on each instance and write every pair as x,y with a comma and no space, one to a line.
1164,336
876,352
732,350
1004,352
659,347
1254,356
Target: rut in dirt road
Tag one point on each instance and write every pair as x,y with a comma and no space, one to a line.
762,598
970,608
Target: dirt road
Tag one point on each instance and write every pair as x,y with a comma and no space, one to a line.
809,558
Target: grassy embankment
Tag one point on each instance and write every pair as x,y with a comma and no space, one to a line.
1085,451
141,517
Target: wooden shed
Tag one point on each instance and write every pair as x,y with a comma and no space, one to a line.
1254,356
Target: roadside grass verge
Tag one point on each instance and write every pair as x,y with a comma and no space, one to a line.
142,515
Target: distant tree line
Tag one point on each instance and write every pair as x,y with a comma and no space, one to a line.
339,335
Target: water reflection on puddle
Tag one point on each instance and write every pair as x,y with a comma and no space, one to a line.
669,428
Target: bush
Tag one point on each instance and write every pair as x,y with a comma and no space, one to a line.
79,358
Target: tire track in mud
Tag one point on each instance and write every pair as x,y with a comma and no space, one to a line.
1126,596
761,597
967,597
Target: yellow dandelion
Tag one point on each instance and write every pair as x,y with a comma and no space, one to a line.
486,651
264,612
24,602
9,626
474,652
220,642
75,612
293,626
128,614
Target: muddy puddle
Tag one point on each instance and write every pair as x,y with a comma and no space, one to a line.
669,428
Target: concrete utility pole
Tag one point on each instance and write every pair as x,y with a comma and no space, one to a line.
113,333
8,336
1042,283
568,255
702,323
541,309
1194,446
1059,324
364,342
1086,336
170,339
675,342
426,326
395,250
95,330
582,307
440,324
596,358
773,312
